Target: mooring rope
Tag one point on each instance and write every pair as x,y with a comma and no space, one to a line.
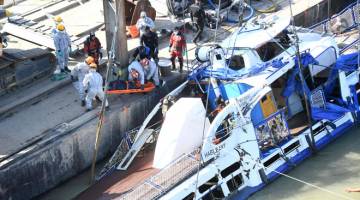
312,185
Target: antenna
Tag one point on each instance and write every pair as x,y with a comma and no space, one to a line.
302,80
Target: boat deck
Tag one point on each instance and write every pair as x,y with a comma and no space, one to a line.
297,123
120,182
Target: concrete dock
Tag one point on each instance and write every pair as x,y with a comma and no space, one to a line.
46,138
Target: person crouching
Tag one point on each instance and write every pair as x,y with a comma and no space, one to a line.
93,85
151,71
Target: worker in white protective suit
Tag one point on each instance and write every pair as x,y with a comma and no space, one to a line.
62,47
143,22
78,74
93,85
136,73
151,71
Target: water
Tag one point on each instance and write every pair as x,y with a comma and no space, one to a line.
335,168
73,187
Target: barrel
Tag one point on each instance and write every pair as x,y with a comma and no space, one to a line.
165,67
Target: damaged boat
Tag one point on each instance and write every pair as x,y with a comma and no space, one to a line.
250,110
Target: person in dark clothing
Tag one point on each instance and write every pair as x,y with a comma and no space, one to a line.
92,47
150,39
198,16
140,53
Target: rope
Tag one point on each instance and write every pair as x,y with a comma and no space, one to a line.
312,185
296,179
206,108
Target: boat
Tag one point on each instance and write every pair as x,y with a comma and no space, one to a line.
241,118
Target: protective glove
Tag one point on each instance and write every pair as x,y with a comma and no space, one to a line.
73,79
142,87
59,53
86,91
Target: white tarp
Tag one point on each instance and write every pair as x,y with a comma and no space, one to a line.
181,131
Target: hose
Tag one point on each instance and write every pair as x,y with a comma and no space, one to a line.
245,18
270,9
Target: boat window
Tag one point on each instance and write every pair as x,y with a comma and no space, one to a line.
272,160
234,182
229,170
272,48
204,187
216,193
236,62
191,196
224,130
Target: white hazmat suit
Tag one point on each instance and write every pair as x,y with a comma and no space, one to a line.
93,83
151,72
79,71
144,21
62,45
137,66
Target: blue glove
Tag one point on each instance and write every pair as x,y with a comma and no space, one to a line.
59,53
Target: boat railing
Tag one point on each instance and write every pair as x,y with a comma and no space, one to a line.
166,179
350,19
351,13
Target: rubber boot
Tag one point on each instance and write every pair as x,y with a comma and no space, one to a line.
181,65
67,69
83,103
173,63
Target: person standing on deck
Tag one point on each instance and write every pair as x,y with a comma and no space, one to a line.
92,47
144,21
78,75
62,47
177,46
150,39
198,16
93,83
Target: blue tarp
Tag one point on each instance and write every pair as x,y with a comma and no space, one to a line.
347,63
293,83
331,111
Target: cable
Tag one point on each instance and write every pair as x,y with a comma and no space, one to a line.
312,185
270,9
246,18
206,108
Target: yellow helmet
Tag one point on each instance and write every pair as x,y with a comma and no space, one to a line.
89,60
8,13
60,27
58,19
93,66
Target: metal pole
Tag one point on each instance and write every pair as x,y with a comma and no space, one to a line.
308,110
121,55
102,111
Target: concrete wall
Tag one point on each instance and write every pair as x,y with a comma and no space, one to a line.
64,154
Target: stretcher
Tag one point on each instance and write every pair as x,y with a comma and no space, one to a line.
129,89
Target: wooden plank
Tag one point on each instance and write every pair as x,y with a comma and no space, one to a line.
29,35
